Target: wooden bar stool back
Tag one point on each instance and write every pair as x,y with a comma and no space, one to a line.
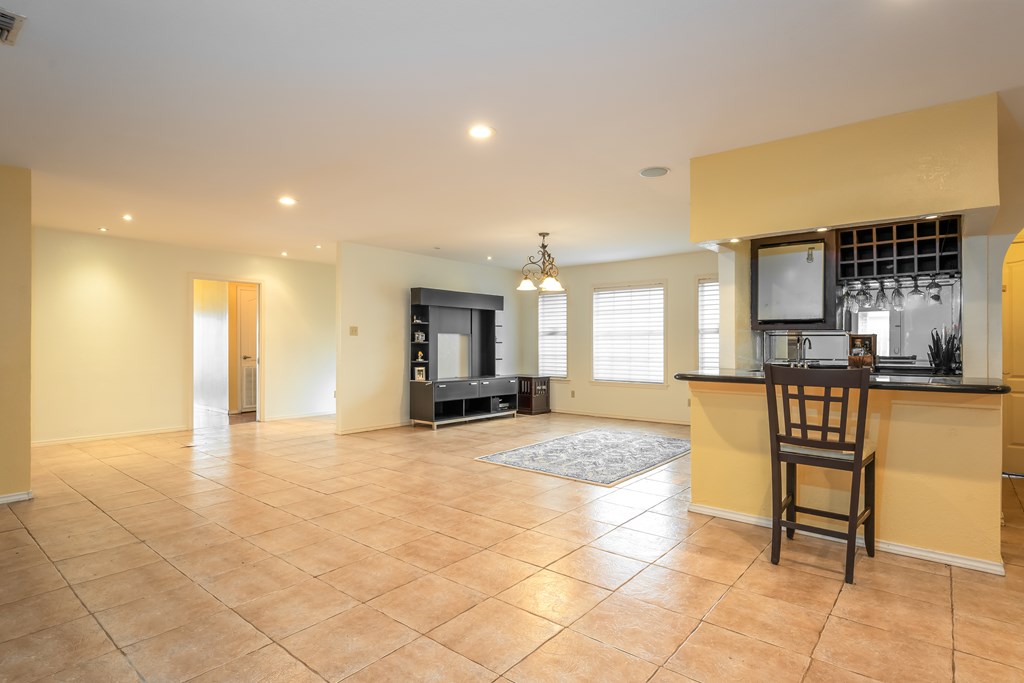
816,411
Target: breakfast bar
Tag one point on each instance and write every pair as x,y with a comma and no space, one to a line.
939,461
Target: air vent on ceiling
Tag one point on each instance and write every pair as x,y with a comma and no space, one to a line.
10,24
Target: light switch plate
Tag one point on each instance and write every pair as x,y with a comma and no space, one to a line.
353,331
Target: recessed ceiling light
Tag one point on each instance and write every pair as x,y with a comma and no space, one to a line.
734,240
284,253
103,229
318,247
128,218
934,215
822,230
490,258
438,248
286,201
653,171
481,132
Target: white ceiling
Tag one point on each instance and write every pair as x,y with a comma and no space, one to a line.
194,116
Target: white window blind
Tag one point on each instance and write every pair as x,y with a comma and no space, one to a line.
551,338
707,325
629,334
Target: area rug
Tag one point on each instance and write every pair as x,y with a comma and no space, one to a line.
596,456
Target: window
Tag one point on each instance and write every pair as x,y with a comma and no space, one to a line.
629,334
707,325
551,348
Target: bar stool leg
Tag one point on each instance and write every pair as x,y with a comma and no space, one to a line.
777,496
869,502
851,527
791,490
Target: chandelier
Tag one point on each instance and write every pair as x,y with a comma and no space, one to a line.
542,269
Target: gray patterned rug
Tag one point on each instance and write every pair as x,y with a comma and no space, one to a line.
597,456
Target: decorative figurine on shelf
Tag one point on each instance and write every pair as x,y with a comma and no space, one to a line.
419,356
419,336
416,321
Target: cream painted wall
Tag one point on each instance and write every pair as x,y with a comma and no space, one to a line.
662,403
112,333
935,160
15,342
210,344
737,348
373,295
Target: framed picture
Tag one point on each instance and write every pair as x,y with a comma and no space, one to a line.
863,344
421,374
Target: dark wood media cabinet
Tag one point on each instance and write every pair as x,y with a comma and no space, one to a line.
461,400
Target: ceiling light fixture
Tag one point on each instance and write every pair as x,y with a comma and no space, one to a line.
934,215
822,230
284,253
286,201
653,171
542,269
734,240
127,218
318,247
490,258
103,229
481,132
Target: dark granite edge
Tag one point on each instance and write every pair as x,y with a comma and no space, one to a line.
937,383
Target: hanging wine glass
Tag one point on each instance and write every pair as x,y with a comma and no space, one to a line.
934,290
899,302
863,298
881,301
849,301
916,294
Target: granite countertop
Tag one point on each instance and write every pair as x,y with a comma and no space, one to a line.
938,383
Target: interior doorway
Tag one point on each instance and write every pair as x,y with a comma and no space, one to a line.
225,352
1013,356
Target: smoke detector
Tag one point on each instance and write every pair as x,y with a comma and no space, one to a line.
10,24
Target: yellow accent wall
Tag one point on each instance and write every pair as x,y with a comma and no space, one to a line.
16,340
933,160
939,461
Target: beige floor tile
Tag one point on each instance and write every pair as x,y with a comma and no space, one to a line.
15,538
197,501
359,495
61,544
488,572
342,645
575,527
1002,604
914,618
736,538
639,628
571,657
388,535
130,585
634,544
290,610
195,648
39,612
271,664
482,531
911,583
205,564
679,506
21,557
609,513
823,672
318,506
434,552
425,661
716,654
28,582
106,562
253,580
427,602
191,540
51,650
791,585
998,641
632,498
112,667
292,537
350,519
894,657
324,556
774,621
396,506
707,563
536,548
675,591
8,520
812,555
158,613
558,598
598,567
477,633
372,576
971,669
669,676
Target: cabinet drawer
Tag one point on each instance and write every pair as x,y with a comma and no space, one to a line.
447,391
500,386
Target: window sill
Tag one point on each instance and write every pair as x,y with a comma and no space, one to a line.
629,385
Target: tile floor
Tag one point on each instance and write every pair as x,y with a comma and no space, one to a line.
281,552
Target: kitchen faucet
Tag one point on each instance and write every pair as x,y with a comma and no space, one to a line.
801,352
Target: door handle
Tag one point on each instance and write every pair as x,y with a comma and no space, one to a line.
246,357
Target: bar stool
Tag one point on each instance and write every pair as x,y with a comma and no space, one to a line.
816,435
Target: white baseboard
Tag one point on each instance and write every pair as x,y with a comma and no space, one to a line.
104,437
986,566
303,416
618,417
15,497
358,430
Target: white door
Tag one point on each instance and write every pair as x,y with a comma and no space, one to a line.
248,323
1013,357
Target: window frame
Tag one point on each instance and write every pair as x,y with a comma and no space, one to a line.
662,284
